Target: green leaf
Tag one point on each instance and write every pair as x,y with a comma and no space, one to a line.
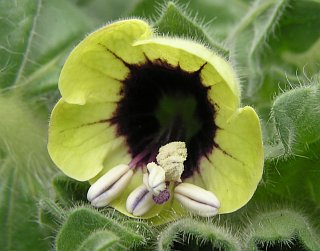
23,146
248,39
297,37
280,229
35,37
295,26
19,228
100,241
70,191
140,227
24,169
297,180
292,176
173,21
218,17
276,44
82,222
297,118
30,51
51,215
292,53
195,235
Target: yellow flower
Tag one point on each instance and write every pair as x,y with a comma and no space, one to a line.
126,93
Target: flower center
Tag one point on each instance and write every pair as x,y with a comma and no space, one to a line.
162,103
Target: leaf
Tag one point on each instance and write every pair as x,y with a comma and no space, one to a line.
100,241
35,35
51,215
23,145
82,222
276,44
297,37
70,191
140,227
173,21
248,39
280,229
296,179
19,228
217,16
292,165
292,53
204,236
297,118
30,52
24,169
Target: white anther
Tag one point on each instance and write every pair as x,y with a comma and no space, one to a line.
155,180
197,199
171,157
139,201
109,186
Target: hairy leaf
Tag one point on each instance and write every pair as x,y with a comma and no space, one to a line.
34,38
101,240
175,22
203,234
51,215
280,229
30,52
218,17
297,118
248,39
82,222
70,191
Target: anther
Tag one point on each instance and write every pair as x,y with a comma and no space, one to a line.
197,199
109,186
139,202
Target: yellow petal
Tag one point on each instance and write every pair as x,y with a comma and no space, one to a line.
94,69
234,169
80,138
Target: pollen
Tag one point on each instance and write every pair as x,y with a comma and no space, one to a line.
171,158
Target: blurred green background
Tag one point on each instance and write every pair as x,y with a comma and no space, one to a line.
274,46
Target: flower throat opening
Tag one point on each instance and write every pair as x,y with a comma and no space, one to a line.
162,103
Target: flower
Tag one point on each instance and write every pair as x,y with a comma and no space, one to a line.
126,93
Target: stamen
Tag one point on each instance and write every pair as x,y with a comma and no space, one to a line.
139,201
109,186
197,199
154,190
134,162
155,181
